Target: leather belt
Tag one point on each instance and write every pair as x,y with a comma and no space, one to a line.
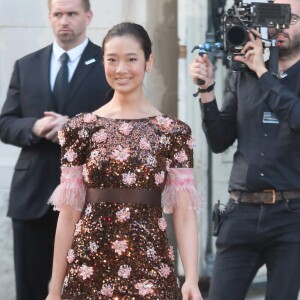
266,196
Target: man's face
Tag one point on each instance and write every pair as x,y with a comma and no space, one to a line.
289,38
69,21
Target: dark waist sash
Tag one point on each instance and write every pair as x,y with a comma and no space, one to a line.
124,196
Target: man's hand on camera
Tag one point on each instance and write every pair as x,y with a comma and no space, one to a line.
202,68
253,54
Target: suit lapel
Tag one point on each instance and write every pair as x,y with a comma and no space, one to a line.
43,76
89,58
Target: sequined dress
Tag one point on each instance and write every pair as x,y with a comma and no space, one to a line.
120,248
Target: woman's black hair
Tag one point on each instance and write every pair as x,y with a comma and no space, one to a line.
135,30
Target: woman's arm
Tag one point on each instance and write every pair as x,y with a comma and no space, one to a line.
67,219
185,224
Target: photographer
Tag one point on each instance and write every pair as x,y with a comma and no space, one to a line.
261,224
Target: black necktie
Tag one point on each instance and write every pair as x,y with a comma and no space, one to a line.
61,84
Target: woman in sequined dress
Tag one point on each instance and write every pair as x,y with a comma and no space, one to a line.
121,166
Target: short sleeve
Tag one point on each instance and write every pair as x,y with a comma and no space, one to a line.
180,179
73,139
181,148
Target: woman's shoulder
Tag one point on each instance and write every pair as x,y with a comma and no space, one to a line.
177,124
77,128
80,120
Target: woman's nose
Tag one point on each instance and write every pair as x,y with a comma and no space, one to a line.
121,68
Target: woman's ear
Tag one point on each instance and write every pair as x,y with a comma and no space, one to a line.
149,63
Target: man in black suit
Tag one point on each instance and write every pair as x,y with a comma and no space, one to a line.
31,116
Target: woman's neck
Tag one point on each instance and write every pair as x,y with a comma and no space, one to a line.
128,107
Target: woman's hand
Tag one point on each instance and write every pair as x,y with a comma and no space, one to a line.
190,291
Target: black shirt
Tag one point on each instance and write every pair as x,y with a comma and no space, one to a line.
263,114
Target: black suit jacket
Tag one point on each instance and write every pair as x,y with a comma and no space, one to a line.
37,170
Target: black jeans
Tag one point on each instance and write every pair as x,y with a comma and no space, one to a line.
252,235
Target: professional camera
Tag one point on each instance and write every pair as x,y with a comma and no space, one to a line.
243,16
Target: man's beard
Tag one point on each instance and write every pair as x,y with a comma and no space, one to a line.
292,49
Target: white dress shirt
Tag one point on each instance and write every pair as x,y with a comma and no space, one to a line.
74,57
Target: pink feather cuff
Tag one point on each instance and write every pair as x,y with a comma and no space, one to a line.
71,190
180,186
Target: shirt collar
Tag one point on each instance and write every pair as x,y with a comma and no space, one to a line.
73,53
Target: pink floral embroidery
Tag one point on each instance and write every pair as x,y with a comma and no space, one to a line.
66,281
85,173
99,136
88,209
171,253
72,123
93,247
145,287
61,137
121,154
70,256
151,161
162,224
191,142
129,178
123,215
83,133
151,252
107,290
125,128
181,156
159,178
70,155
119,246
85,271
164,270
168,164
95,156
164,140
78,228
164,122
144,144
89,118
124,271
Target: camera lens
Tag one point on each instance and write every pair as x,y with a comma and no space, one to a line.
236,36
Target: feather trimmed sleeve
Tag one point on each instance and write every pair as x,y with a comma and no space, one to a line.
180,183
71,190
73,139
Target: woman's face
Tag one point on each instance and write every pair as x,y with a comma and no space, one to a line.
125,64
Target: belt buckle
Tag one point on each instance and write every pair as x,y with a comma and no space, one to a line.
273,196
